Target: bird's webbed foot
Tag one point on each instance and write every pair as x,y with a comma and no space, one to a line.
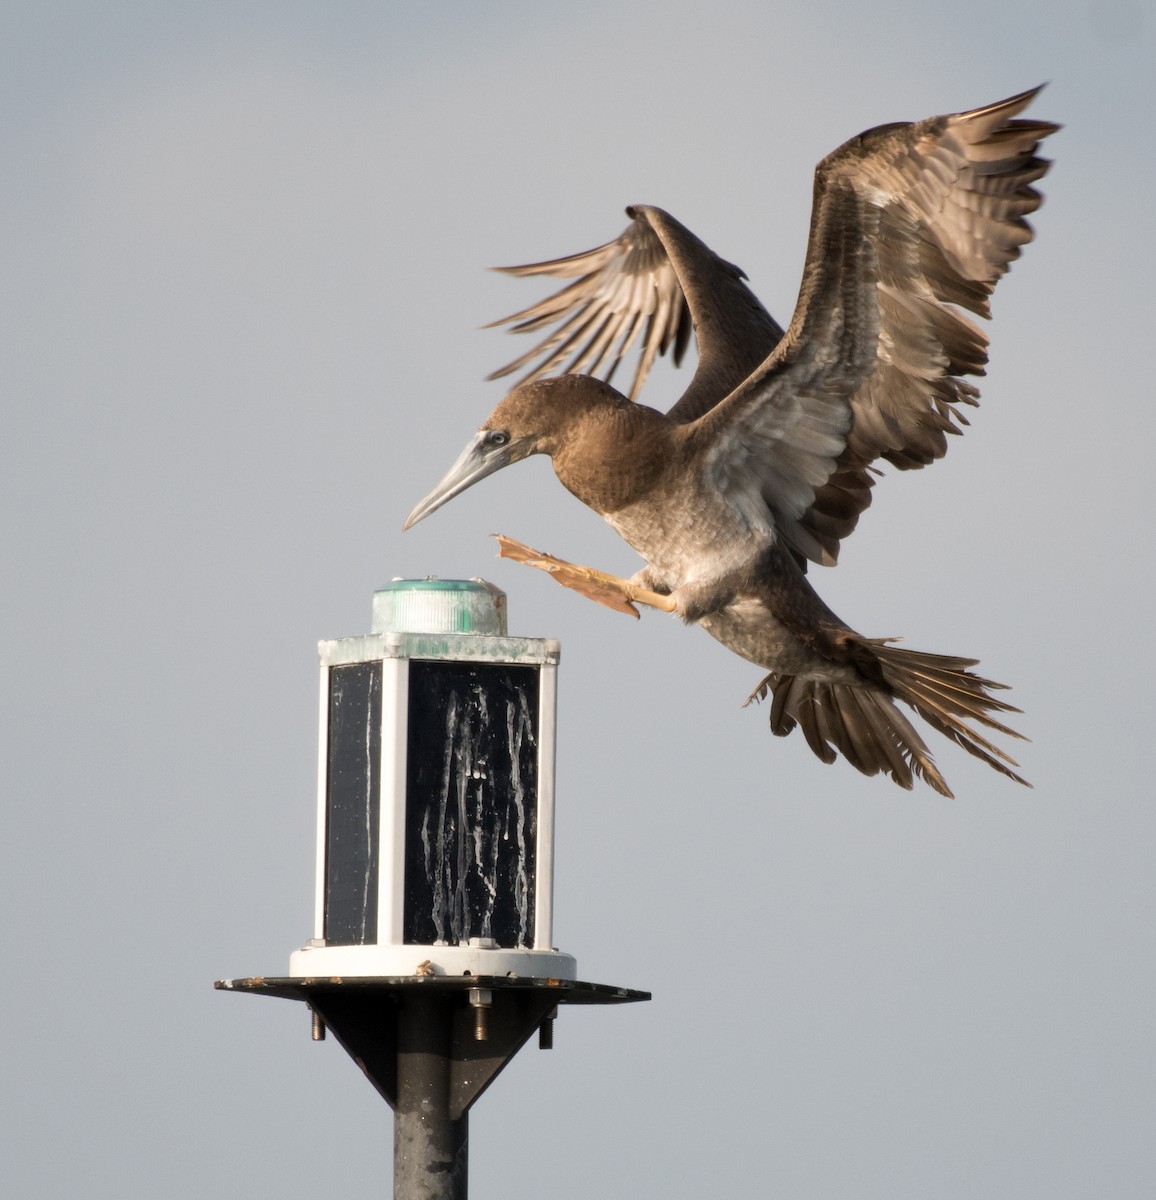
610,590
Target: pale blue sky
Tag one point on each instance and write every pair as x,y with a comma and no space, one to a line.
244,249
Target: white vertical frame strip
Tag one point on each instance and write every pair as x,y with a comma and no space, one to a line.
544,856
391,832
322,798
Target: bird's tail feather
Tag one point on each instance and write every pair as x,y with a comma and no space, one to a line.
863,723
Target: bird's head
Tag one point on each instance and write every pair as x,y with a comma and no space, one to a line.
521,425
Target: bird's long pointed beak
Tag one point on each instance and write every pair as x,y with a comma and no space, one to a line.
479,459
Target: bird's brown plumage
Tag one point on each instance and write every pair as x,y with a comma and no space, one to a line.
768,459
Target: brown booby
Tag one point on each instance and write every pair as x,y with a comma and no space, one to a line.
768,459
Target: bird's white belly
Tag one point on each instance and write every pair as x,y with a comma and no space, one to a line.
711,540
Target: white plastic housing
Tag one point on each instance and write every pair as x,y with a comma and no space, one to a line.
435,808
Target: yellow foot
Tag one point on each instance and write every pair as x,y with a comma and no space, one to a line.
610,590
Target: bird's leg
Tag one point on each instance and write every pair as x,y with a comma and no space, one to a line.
646,580
611,590
695,598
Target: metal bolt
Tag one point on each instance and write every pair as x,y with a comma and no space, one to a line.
318,1026
480,1001
546,1031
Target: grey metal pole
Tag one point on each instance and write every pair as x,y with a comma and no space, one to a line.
430,1145
431,1045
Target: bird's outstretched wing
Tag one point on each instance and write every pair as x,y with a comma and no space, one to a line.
651,287
908,222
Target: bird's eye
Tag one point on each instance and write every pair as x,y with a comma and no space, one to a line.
498,437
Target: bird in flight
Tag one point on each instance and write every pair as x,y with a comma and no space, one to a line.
768,459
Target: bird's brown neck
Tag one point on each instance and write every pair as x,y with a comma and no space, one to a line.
610,455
